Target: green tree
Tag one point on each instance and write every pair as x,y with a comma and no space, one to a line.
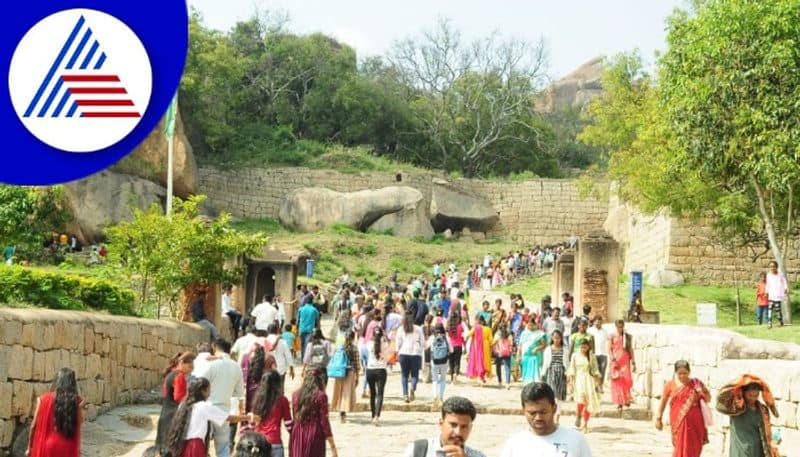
29,214
165,255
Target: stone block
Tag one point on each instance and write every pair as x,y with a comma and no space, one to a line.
78,363
6,392
12,332
76,337
39,366
93,369
22,399
61,334
4,362
52,362
88,340
787,412
39,388
6,432
20,362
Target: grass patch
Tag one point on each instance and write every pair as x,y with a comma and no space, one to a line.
265,225
531,289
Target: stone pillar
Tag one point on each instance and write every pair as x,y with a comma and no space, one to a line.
596,278
563,276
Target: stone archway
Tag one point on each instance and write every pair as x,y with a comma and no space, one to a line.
265,283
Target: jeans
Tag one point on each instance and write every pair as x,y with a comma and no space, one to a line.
455,361
775,307
304,337
409,368
505,362
602,364
236,318
376,377
761,313
439,380
222,439
363,352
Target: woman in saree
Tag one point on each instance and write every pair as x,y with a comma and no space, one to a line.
621,352
689,432
479,363
532,343
751,429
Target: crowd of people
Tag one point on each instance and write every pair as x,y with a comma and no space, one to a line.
234,393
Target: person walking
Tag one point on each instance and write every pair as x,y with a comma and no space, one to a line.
308,321
502,348
318,351
545,437
344,388
583,375
440,350
377,354
270,408
751,428
777,292
188,431
410,344
173,391
311,427
532,343
685,396
455,335
225,378
479,359
555,366
455,427
622,363
600,338
55,429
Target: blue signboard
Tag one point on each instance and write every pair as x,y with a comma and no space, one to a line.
636,284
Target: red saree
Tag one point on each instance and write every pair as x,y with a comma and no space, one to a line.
621,376
46,440
689,432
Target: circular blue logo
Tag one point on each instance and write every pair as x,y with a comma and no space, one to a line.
87,82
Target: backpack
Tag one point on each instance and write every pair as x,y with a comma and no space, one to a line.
337,367
319,356
439,350
503,348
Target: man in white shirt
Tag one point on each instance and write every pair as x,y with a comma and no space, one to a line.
455,426
233,314
245,342
280,350
600,336
545,438
281,316
265,313
777,289
225,377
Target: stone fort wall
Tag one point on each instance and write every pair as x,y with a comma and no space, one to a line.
538,211
117,359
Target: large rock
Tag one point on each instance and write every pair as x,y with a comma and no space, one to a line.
149,160
313,208
573,91
104,199
664,278
456,211
410,222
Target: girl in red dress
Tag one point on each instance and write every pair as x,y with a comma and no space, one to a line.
173,391
56,426
187,434
270,408
311,425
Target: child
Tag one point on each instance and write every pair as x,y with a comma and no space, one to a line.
440,350
187,435
296,345
762,298
290,338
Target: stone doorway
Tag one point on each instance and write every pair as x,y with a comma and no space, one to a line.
265,283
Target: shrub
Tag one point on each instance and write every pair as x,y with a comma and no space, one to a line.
63,291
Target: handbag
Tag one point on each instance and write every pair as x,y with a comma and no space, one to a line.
708,416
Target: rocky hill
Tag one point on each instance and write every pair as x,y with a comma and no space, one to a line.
574,90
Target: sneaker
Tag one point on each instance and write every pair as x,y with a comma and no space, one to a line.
411,398
376,422
405,399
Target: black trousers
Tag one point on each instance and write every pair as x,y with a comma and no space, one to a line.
376,378
236,319
455,360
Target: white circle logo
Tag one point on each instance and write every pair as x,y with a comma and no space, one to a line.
80,80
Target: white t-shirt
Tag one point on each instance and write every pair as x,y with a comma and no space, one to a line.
265,314
242,345
600,336
226,304
202,412
564,442
776,286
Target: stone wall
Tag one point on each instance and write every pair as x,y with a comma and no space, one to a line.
716,357
537,211
116,359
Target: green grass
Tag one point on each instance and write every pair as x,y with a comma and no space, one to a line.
677,305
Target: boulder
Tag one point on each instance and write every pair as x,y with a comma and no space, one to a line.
455,210
410,222
149,160
664,278
104,199
313,208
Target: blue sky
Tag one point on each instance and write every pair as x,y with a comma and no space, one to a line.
574,30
